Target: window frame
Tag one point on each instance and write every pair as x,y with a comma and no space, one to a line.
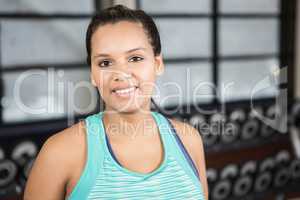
286,18
98,4
286,32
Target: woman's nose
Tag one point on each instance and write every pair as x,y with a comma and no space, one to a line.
122,76
122,71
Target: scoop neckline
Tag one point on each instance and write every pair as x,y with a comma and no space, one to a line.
126,170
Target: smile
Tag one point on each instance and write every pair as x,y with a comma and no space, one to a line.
125,92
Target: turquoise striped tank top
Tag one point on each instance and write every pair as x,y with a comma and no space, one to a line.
104,178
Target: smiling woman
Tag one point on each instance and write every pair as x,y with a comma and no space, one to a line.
127,150
115,59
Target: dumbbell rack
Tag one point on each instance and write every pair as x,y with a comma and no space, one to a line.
18,148
247,157
256,163
232,162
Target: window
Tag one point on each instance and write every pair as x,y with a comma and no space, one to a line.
186,37
216,42
233,44
47,7
31,42
42,60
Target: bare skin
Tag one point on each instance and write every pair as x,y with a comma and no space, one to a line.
118,49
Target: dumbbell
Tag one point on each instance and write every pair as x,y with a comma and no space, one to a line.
266,129
212,177
238,115
282,172
263,178
197,121
222,189
230,133
23,154
250,128
216,122
295,114
236,119
228,129
243,183
232,127
283,157
2,154
8,173
295,164
295,169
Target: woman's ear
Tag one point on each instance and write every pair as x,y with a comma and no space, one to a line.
159,65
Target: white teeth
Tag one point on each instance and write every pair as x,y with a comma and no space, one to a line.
127,90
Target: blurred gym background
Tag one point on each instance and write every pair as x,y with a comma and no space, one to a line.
244,54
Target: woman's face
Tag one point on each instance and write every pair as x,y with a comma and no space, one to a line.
123,66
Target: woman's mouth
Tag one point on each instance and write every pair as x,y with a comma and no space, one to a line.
126,92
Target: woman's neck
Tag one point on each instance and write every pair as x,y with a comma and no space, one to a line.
129,125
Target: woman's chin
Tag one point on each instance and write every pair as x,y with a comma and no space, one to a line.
127,109
130,106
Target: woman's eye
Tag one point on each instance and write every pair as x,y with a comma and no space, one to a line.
136,59
104,63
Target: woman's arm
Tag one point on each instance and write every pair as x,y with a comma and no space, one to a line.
47,178
200,161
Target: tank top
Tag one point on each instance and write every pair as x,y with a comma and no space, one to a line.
103,177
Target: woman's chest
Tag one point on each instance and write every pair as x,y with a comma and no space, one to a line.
171,182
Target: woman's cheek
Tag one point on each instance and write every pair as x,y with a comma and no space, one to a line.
104,83
147,87
100,80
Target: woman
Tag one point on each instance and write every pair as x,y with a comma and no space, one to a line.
127,151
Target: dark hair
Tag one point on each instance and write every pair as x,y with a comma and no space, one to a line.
122,13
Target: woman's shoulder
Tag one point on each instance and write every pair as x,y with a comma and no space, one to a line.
60,156
68,143
68,135
190,137
185,130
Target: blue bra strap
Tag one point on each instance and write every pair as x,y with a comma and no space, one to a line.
111,151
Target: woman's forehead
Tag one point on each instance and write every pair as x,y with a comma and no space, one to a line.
126,35
121,36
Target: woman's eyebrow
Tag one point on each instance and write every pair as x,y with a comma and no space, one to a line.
128,51
135,49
